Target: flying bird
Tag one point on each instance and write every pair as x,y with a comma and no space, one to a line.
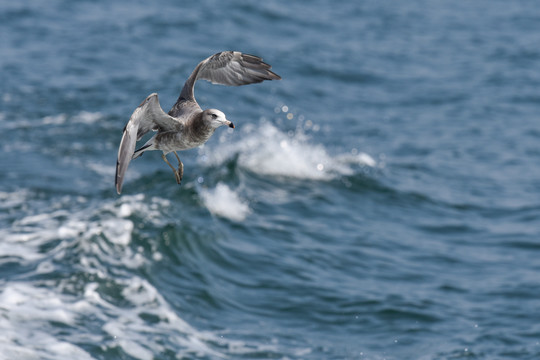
186,125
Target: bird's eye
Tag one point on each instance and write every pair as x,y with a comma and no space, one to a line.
214,116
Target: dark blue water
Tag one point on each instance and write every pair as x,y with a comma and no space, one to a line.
382,201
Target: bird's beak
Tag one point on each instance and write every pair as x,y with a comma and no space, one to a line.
231,125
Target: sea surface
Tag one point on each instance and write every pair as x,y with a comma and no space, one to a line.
382,201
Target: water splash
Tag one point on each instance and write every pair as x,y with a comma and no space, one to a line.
225,202
267,150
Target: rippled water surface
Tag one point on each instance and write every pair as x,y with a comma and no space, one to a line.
382,201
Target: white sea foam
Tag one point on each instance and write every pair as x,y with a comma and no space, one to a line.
129,331
107,171
26,312
267,150
9,200
83,117
54,119
225,202
86,117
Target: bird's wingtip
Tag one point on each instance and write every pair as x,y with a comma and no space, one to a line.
117,184
274,75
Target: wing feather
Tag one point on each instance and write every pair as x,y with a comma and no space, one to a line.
231,68
147,116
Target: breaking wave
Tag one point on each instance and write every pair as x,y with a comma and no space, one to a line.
97,240
267,150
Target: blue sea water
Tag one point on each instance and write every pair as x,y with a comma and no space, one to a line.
382,201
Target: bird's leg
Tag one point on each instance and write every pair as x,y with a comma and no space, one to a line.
180,170
176,174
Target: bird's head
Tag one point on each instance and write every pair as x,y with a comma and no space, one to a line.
216,118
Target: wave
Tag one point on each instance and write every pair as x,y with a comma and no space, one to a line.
76,263
29,314
267,150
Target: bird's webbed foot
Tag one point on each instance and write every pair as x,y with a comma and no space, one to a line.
178,173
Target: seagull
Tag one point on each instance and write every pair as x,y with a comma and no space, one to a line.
187,126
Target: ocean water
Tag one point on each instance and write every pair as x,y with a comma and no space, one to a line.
382,201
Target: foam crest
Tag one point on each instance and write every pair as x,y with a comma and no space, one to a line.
10,200
26,314
225,202
42,305
281,155
142,339
86,117
83,117
97,228
266,150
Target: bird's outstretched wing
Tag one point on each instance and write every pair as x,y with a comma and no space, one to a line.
147,116
228,68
